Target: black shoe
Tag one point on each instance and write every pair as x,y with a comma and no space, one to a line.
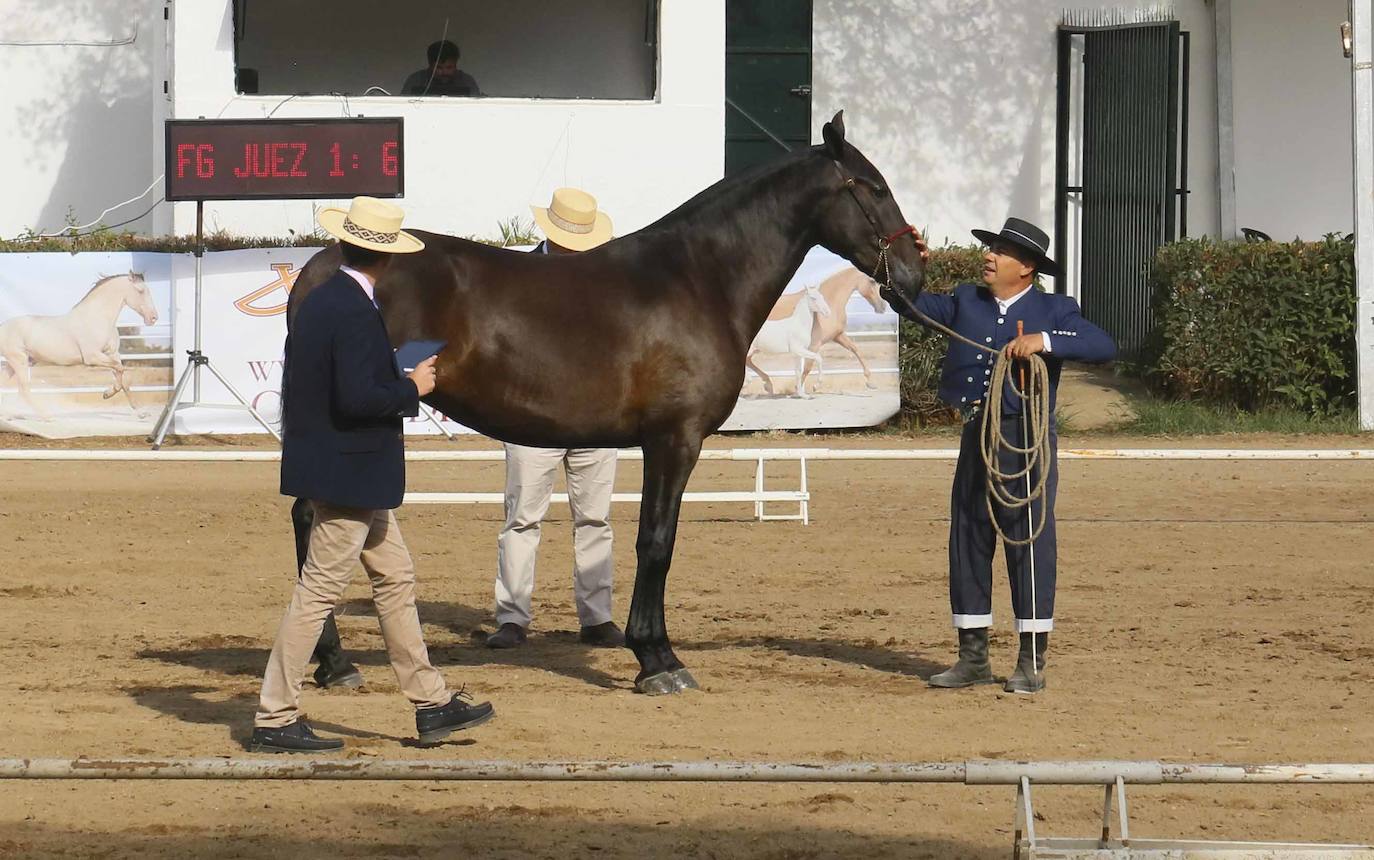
294,738
435,724
1029,676
973,667
346,677
602,636
509,636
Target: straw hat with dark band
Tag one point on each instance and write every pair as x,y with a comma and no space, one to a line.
370,223
572,220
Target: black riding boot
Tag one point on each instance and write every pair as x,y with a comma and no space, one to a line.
334,670
973,667
1029,676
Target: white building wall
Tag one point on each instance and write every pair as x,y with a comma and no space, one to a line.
954,101
1292,95
76,114
472,163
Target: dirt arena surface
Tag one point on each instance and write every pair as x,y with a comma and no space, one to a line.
1208,611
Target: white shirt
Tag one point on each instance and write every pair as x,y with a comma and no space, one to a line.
1004,304
363,281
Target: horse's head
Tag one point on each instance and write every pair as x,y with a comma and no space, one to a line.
816,302
138,297
861,221
868,288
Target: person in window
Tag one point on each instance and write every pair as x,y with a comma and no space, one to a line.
441,77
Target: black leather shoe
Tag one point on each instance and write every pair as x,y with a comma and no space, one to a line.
602,636
294,738
435,724
345,677
509,636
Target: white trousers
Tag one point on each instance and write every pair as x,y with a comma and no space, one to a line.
529,486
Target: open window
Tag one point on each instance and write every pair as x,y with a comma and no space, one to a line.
593,49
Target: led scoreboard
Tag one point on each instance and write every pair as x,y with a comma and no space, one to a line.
249,159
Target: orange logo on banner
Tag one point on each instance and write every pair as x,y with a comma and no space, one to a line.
286,279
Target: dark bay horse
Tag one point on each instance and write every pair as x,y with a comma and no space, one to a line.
640,342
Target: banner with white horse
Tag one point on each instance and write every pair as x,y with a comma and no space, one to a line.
85,343
826,357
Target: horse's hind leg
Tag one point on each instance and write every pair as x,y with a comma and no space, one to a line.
767,381
19,366
667,465
334,670
843,340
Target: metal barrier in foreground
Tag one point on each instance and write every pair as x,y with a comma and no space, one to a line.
1114,776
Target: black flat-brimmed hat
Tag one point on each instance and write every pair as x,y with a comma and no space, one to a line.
1025,235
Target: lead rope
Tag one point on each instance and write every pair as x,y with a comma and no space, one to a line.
1035,405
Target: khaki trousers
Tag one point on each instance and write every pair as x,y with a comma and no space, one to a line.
339,539
529,486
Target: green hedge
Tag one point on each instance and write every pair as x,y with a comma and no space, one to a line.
920,351
1254,325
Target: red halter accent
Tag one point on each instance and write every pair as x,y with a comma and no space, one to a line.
910,228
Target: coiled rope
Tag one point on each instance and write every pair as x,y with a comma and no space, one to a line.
1034,394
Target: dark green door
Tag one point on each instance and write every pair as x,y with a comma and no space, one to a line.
767,80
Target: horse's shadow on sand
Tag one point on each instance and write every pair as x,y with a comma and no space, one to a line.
866,654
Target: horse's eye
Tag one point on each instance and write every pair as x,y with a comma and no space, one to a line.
879,191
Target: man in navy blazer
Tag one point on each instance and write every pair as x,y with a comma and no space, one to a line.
1056,331
343,402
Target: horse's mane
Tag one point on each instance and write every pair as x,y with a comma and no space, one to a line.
104,279
727,193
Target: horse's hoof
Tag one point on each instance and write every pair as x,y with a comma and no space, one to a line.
683,680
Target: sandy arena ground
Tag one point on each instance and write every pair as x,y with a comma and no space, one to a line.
1207,612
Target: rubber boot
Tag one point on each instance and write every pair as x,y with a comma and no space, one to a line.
973,667
1029,676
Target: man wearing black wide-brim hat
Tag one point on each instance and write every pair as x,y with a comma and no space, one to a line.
988,314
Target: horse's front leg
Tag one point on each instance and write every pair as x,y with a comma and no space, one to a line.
667,465
805,357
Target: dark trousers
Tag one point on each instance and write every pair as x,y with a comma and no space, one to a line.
972,539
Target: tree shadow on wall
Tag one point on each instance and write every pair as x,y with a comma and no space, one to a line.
966,86
95,115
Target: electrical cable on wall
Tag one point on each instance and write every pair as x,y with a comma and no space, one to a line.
72,231
73,43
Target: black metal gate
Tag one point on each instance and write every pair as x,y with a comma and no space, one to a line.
1132,163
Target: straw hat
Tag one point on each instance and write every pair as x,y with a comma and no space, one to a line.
572,220
370,223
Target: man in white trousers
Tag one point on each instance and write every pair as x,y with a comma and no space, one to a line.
571,223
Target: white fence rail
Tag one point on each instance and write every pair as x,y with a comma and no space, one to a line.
760,496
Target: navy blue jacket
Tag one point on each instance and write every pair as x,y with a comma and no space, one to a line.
972,312
343,400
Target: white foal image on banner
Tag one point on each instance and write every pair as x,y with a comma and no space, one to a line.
85,343
826,356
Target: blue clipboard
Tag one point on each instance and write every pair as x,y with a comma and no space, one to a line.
411,353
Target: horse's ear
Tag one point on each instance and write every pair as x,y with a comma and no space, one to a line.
833,133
